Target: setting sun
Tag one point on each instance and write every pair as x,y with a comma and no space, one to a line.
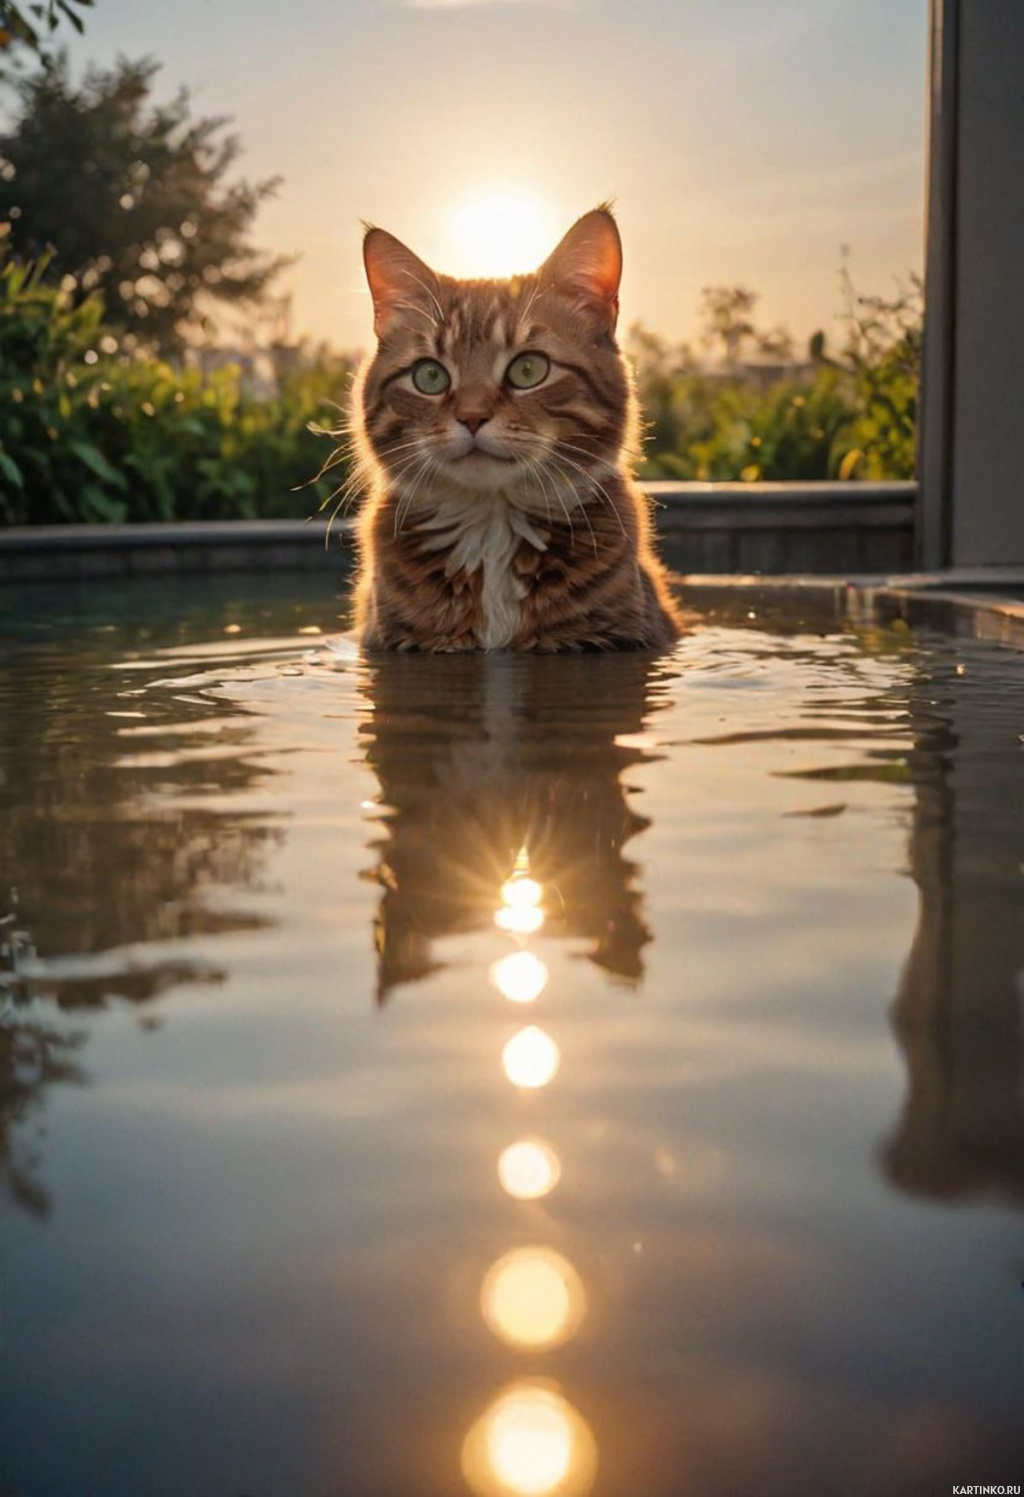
500,233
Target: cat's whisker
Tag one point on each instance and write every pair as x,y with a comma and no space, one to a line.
358,480
349,491
595,457
405,495
408,496
420,481
535,466
561,499
598,487
402,453
534,469
582,506
400,447
334,460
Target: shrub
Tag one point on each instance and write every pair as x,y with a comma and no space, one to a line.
87,433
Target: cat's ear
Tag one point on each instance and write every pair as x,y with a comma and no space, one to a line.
398,279
587,265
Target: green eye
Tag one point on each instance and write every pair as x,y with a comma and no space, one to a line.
528,370
430,377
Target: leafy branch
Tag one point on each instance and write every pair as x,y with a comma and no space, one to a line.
32,23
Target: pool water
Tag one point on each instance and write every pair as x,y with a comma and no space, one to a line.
505,1076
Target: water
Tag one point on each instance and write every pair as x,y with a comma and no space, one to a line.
505,1076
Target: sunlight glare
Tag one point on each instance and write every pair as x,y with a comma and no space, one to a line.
531,1058
529,1169
530,1443
533,1298
523,920
520,977
521,912
500,233
521,892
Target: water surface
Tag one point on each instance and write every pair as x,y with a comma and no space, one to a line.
436,1076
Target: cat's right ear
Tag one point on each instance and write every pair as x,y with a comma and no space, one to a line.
398,280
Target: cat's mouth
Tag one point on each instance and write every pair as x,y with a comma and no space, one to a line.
476,457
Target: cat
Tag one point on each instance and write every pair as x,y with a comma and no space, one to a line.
495,430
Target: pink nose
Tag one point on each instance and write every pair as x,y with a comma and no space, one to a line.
473,423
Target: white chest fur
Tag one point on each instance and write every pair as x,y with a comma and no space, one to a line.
484,532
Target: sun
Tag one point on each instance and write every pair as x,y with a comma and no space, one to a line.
499,233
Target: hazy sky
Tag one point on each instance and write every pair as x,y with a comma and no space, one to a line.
743,140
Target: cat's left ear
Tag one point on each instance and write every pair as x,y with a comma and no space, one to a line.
587,265
398,279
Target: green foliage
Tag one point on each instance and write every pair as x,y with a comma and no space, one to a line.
853,416
132,198
881,358
27,23
87,433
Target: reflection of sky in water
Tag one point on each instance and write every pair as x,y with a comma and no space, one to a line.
773,993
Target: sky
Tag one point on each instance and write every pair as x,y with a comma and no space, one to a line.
743,141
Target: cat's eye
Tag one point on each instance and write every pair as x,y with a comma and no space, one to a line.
430,377
527,370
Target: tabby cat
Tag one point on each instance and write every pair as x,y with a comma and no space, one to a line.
496,425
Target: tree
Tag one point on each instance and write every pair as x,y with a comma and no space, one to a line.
25,23
724,319
131,197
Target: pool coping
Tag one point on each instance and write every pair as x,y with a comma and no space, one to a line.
970,600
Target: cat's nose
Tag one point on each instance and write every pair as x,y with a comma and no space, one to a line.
472,423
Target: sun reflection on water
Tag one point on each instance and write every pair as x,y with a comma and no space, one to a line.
521,892
520,977
521,895
519,922
530,1442
531,1058
529,1169
533,1298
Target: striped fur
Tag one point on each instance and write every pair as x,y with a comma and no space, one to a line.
499,517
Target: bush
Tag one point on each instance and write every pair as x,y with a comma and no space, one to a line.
849,416
89,434
718,429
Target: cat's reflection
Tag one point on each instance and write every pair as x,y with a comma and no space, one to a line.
957,1015
481,759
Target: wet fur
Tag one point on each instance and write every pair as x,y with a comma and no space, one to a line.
499,518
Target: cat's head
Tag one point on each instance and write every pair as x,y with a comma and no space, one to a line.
497,385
